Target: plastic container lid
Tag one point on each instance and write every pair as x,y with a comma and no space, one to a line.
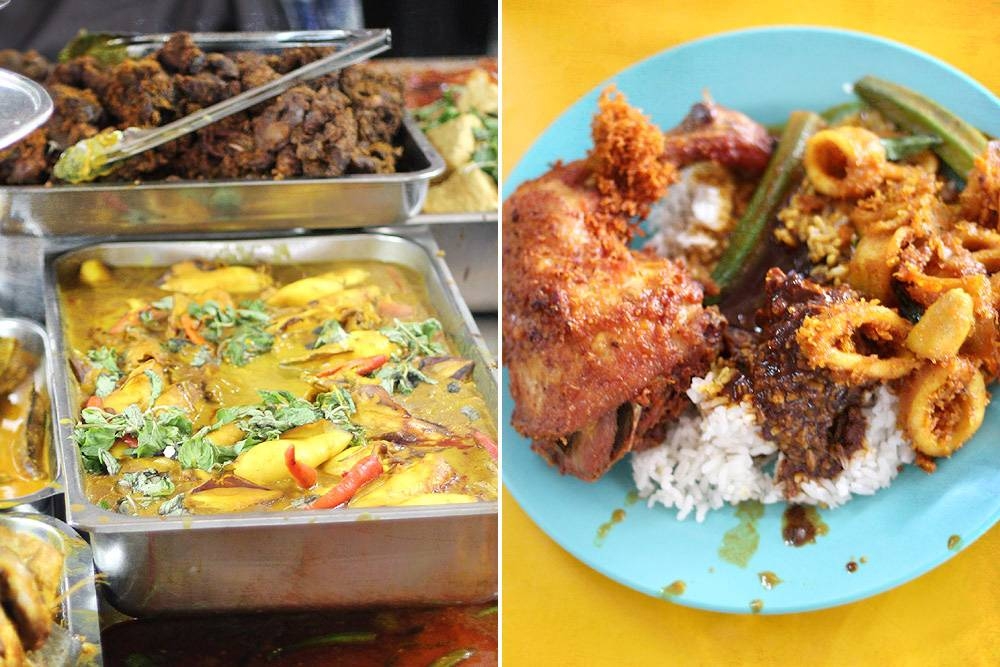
24,105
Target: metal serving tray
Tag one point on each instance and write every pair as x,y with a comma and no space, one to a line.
79,604
160,207
34,339
293,559
470,249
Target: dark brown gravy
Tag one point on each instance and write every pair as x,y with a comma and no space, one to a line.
802,524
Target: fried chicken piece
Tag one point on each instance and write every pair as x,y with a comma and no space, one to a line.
600,341
181,54
82,72
712,132
140,94
26,162
31,63
344,122
254,69
76,114
377,99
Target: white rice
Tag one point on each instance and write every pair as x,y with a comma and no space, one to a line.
693,220
715,454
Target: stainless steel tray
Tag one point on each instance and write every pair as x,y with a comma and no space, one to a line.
159,207
294,559
79,604
35,340
138,44
470,249
487,217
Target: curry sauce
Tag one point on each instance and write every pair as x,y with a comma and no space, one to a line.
25,467
221,388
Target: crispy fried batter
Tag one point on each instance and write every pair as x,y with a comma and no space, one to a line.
630,169
980,201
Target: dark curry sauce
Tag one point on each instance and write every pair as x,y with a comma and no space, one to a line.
398,637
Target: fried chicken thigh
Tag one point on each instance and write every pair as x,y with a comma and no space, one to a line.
601,341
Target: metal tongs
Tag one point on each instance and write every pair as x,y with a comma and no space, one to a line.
99,155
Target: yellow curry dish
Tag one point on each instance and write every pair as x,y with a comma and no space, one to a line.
213,387
25,437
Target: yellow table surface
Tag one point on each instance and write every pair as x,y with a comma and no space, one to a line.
556,611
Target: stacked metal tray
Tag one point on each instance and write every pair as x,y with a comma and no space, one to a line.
79,641
257,561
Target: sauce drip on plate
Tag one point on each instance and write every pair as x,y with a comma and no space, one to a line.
802,524
740,543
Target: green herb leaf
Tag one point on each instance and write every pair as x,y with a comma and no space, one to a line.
175,344
329,332
173,507
416,338
105,385
108,461
149,483
453,658
334,639
96,44
199,452
239,331
337,406
201,357
105,358
166,303
401,377
248,342
155,387
168,427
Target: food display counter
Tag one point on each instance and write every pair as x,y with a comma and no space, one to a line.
398,561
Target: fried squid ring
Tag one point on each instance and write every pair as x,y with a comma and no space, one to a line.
942,406
861,340
874,261
984,244
929,266
845,162
908,197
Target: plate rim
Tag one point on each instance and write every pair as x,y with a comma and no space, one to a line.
514,179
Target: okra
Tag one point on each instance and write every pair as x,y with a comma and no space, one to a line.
899,148
783,172
961,143
832,116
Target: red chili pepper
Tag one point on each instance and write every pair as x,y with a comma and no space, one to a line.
190,326
129,319
94,402
304,475
362,366
395,309
363,472
486,442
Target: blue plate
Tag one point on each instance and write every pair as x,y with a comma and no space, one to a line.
894,536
